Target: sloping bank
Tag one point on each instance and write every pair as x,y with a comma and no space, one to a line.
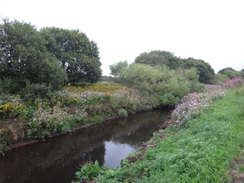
23,121
201,149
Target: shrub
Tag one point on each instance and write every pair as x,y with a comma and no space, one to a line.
240,91
88,171
33,91
11,106
122,113
5,138
52,121
11,110
10,85
236,82
220,78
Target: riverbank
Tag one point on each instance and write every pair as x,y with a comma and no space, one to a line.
202,152
56,160
24,121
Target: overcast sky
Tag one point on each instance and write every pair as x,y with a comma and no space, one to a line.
211,30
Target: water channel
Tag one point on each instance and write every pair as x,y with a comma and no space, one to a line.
57,159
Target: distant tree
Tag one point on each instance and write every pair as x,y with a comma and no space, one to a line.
220,78
158,80
24,58
76,53
117,68
193,78
230,72
205,71
158,57
153,58
242,73
106,79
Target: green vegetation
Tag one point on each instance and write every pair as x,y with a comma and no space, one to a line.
46,59
31,117
46,89
230,73
220,78
24,59
159,82
76,53
89,170
154,58
117,68
201,152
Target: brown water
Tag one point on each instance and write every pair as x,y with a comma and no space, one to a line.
57,160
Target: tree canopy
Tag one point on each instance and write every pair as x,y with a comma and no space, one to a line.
24,57
158,57
153,58
49,57
230,73
205,71
169,85
117,68
76,53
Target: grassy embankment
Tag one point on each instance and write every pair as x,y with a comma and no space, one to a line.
200,150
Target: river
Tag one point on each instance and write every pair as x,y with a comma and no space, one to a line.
57,159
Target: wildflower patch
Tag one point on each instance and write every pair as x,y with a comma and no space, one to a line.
194,104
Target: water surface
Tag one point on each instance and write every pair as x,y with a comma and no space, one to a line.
57,159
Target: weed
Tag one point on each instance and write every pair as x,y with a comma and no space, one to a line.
122,113
88,171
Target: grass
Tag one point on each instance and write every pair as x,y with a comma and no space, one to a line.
200,153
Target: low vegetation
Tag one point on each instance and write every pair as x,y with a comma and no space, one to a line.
29,118
200,150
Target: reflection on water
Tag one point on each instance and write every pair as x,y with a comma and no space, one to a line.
57,159
115,152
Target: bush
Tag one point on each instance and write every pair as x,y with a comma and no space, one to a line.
233,83
220,78
10,85
25,58
11,110
122,113
33,91
161,82
52,121
11,106
5,139
88,171
240,91
230,73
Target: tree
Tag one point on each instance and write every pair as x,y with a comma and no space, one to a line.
158,57
158,80
76,53
242,72
117,68
220,78
24,58
230,72
205,71
153,58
